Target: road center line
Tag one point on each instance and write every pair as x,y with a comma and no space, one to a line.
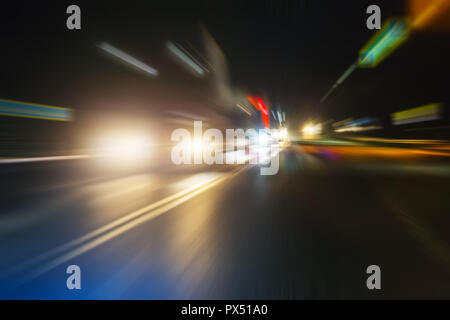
103,234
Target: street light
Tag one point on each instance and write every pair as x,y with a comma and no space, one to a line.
393,33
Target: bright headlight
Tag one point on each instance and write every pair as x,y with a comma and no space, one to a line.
310,130
124,146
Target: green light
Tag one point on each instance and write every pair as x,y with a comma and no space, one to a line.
393,33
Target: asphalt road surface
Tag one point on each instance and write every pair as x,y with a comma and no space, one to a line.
227,232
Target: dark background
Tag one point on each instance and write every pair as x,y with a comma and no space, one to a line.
293,51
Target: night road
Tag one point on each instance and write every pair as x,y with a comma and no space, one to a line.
211,151
230,232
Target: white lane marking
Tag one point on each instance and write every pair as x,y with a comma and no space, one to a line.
149,215
42,159
195,180
184,194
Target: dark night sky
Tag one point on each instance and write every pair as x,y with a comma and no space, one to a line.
295,50
291,50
